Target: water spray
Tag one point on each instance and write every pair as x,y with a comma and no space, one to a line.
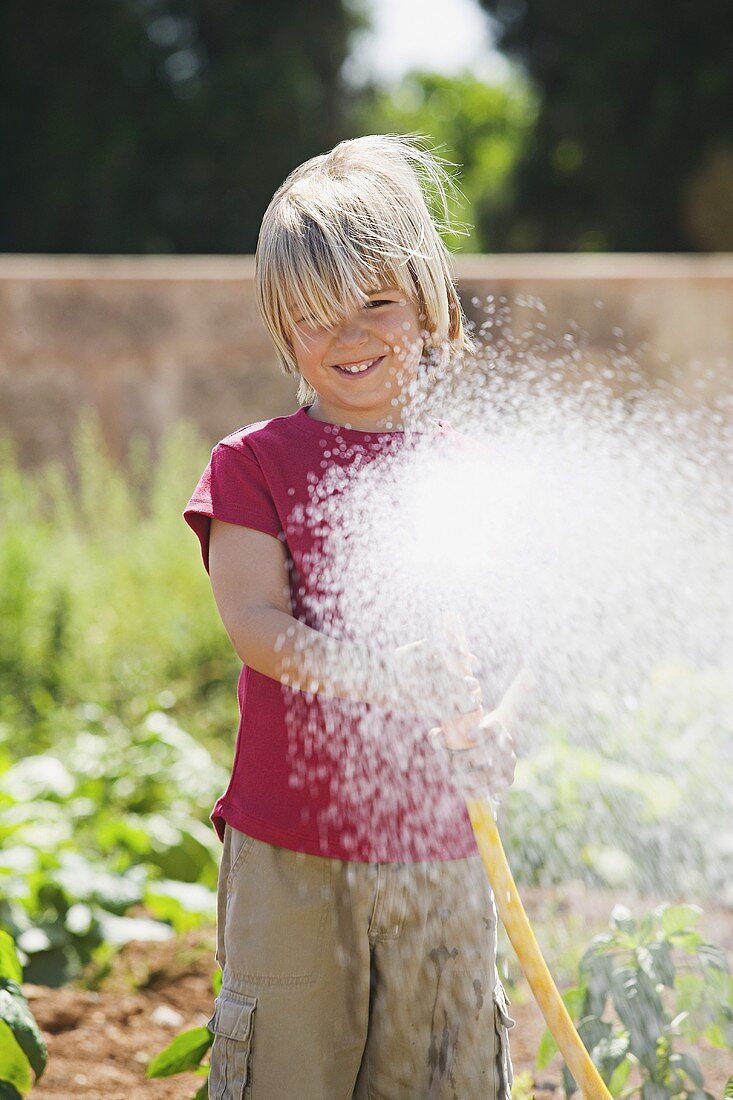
591,533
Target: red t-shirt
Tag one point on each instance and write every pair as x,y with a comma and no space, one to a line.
315,774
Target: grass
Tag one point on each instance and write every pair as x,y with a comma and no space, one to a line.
103,598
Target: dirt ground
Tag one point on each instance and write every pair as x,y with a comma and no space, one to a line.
101,1042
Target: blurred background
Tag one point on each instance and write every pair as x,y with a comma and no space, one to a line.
158,130
140,143
164,126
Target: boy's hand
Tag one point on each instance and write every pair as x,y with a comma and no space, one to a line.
436,682
482,761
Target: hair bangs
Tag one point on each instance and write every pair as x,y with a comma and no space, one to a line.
323,268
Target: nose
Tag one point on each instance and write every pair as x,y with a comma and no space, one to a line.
352,333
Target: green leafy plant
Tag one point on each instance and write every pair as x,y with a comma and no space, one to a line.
636,829
645,987
106,841
187,1052
22,1048
137,620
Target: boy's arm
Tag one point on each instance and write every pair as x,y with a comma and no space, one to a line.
249,578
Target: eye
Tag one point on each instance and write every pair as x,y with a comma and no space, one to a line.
376,302
304,325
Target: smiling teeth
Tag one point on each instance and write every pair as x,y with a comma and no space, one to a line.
357,368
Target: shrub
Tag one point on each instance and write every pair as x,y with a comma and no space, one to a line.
644,986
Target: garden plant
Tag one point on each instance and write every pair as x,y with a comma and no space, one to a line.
116,720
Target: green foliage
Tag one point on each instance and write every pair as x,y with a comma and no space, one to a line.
642,987
482,128
187,1051
184,1053
22,1047
105,841
104,795
110,646
103,600
633,146
162,126
621,812
114,674
522,1087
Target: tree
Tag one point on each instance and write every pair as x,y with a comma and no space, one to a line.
633,147
481,128
161,125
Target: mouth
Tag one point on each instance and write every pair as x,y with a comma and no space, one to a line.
359,369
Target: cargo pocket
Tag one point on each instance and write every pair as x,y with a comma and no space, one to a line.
230,1073
502,1023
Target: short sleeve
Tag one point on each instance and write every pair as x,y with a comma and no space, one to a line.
232,488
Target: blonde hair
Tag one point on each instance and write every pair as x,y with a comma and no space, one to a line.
352,221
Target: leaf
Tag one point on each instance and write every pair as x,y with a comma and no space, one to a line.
609,1051
656,962
9,1092
598,984
193,896
712,957
85,881
640,1010
573,1000
715,1036
619,1077
593,1031
597,947
15,1068
14,1011
689,1066
686,941
120,930
547,1050
690,990
728,1094
568,1082
185,1052
622,919
183,904
680,918
39,776
663,963
203,1092
651,1090
9,962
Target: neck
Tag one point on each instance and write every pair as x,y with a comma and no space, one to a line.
405,416
365,421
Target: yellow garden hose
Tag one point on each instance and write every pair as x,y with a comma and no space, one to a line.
530,957
505,891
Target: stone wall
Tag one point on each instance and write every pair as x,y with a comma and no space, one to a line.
149,340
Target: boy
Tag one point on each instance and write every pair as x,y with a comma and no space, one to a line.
356,930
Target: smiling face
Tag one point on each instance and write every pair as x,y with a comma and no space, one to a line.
363,366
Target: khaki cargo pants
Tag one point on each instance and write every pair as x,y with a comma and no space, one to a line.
355,980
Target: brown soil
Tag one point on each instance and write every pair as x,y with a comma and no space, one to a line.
101,1042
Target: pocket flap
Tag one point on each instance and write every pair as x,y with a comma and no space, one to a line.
501,1001
233,1013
